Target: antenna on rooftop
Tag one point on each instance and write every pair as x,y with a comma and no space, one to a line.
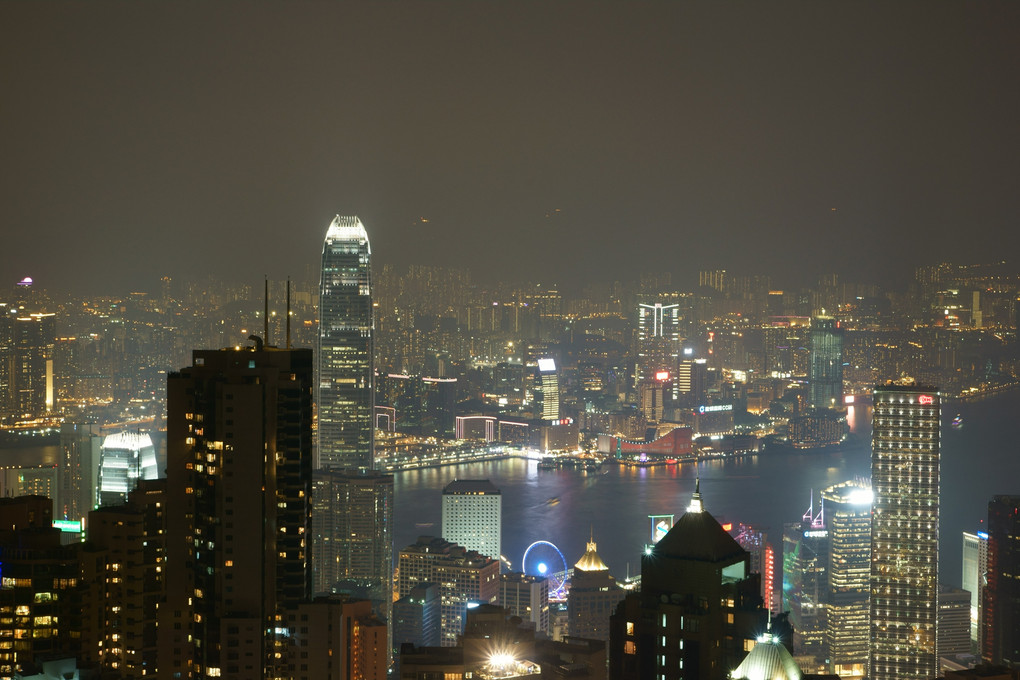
265,311
288,312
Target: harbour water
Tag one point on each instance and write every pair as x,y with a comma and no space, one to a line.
980,459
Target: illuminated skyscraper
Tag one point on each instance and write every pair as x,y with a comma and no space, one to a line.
826,376
904,532
658,338
547,389
848,519
345,395
975,571
126,458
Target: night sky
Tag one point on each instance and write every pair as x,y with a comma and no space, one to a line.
563,142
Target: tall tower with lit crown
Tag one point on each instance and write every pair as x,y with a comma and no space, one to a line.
345,393
904,532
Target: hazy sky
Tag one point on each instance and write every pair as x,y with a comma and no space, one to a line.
143,139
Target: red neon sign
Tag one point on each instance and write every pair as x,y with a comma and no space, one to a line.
925,399
662,375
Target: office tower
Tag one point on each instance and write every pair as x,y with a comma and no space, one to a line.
692,381
658,338
125,458
904,532
805,582
975,571
352,526
826,373
547,390
1000,643
31,369
345,394
954,622
699,609
473,516
78,476
463,576
763,557
416,617
652,399
526,596
122,578
848,519
239,472
593,597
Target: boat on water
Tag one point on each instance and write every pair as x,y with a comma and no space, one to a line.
957,422
553,500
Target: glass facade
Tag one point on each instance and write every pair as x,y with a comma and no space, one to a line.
126,457
826,377
345,382
905,532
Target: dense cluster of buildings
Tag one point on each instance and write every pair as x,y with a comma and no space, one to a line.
234,518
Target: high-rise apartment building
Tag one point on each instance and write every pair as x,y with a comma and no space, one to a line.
904,532
826,371
463,576
473,516
1000,643
239,472
847,517
345,394
352,515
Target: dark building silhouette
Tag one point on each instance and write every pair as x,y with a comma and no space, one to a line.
826,376
699,609
1001,614
239,473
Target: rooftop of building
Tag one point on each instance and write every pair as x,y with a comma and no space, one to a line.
471,487
440,547
590,560
698,535
346,228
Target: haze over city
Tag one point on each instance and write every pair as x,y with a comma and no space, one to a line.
565,143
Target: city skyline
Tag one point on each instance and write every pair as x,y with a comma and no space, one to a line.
523,140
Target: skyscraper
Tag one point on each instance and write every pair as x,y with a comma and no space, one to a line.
352,516
1001,603
547,389
699,609
904,532
472,516
126,458
594,594
826,376
658,338
239,472
975,571
345,394
848,518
